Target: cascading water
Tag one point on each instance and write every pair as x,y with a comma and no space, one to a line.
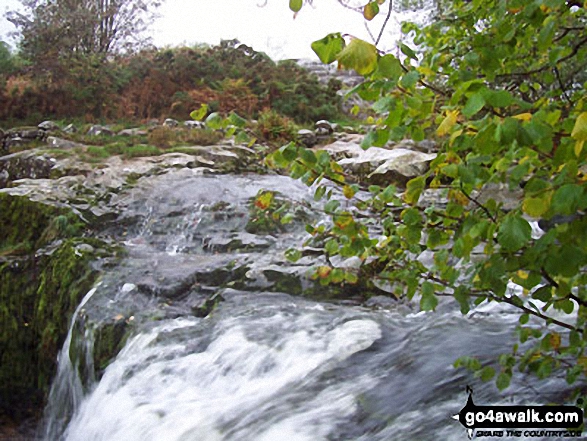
264,365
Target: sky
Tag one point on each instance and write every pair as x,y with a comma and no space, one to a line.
268,27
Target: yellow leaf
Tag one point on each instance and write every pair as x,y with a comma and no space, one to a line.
454,136
522,274
449,121
523,116
536,206
360,56
579,147
348,191
580,130
370,10
582,361
323,271
555,340
458,197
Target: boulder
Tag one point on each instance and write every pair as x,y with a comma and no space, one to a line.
48,126
23,165
408,164
379,166
324,128
307,137
170,122
70,128
60,143
132,132
22,135
97,130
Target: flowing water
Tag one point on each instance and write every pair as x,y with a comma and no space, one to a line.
264,365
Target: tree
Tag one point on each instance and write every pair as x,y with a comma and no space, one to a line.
500,85
66,28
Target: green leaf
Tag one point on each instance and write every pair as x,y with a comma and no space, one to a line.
295,5
289,151
360,56
329,47
331,206
500,98
487,373
408,52
414,189
474,104
503,380
537,206
214,121
580,129
331,247
293,255
237,120
428,301
319,193
308,156
389,67
370,10
543,293
389,194
287,219
566,199
199,114
514,232
410,79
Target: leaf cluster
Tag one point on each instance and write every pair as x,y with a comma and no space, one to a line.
500,85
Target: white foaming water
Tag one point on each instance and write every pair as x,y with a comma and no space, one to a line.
67,390
256,379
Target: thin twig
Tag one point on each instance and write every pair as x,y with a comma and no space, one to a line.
384,23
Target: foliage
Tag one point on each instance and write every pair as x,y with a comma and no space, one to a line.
501,86
274,128
167,82
64,29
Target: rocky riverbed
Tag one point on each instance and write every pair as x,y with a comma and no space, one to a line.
65,221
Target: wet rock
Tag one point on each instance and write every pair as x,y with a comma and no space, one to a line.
207,305
97,130
307,137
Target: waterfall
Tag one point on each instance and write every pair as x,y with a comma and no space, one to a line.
67,389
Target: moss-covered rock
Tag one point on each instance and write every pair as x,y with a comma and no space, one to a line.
29,225
43,276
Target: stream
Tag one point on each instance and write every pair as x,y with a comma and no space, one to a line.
265,364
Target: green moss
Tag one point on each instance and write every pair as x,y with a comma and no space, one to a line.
38,295
110,338
29,225
42,279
